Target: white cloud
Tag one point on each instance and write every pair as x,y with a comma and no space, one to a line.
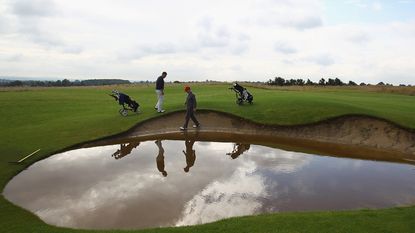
99,39
237,196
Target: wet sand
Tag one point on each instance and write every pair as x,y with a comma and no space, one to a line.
353,136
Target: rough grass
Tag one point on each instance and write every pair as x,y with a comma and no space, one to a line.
51,119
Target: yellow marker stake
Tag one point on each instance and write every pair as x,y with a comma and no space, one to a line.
34,152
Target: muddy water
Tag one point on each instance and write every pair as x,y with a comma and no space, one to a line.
173,183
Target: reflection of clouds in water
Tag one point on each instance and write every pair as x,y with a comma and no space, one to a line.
236,196
81,156
221,147
120,189
88,188
83,187
278,161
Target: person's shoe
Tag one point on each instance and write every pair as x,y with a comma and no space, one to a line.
196,126
161,111
183,128
155,108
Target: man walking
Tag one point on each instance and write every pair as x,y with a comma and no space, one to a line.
190,109
160,92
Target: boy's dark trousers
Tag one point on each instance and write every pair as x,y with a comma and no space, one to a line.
190,114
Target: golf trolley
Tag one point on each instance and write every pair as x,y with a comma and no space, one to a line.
126,103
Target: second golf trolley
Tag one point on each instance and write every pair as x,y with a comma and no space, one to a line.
242,95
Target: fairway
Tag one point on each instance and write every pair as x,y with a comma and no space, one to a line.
52,119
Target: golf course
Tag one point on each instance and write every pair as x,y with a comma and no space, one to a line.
54,119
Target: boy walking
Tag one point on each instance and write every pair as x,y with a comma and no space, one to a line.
190,109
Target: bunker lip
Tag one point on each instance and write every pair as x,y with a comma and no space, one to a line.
353,136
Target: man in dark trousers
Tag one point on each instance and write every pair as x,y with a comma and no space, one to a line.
160,92
190,109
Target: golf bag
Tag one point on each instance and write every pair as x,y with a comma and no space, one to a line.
242,95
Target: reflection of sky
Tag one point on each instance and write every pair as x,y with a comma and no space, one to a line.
87,188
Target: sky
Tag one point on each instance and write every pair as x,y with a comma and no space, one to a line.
225,40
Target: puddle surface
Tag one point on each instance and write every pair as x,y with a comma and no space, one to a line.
173,183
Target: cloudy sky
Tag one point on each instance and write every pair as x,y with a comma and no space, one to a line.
359,40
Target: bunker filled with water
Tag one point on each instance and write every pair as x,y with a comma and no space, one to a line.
165,182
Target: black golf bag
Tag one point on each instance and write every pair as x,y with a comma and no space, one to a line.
242,95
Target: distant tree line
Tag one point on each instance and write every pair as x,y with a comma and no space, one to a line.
62,83
278,81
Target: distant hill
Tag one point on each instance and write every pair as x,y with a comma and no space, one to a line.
62,83
98,82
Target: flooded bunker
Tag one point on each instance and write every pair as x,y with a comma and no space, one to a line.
134,181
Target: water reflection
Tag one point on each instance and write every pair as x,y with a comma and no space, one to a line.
87,188
190,154
160,158
238,149
125,149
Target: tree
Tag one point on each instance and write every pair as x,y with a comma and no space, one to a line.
309,82
338,82
351,83
322,82
16,83
330,82
300,82
66,82
279,81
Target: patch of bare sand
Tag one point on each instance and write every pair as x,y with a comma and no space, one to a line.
351,136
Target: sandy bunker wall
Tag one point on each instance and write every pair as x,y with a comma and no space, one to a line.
355,133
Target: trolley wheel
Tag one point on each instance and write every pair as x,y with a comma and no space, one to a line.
239,101
123,112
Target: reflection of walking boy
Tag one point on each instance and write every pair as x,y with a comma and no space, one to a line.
160,158
160,92
190,109
190,155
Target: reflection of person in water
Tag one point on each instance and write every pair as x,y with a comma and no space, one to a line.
160,158
125,149
190,155
238,149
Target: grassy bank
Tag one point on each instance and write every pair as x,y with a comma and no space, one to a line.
54,118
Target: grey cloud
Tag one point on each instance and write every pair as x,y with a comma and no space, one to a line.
306,22
205,23
239,49
30,24
147,50
284,48
243,37
33,8
72,49
359,38
324,60
297,14
299,23
208,36
11,57
214,38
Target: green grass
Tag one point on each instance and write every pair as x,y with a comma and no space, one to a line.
54,118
